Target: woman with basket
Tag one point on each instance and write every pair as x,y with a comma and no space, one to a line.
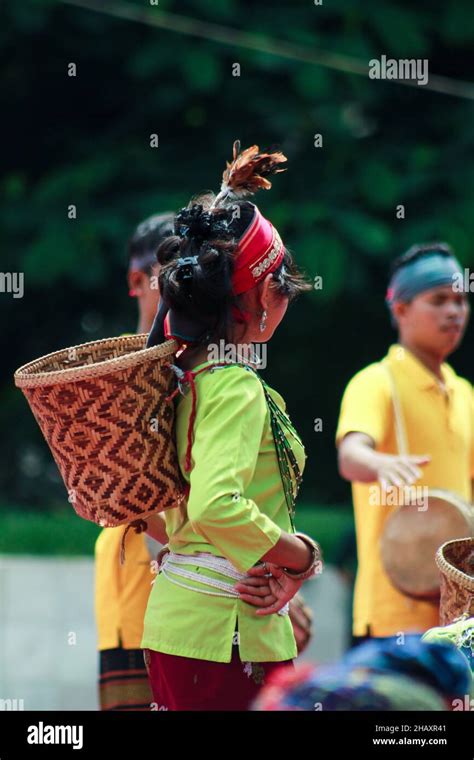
217,618
128,447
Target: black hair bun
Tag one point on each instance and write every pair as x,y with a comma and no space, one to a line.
196,223
193,222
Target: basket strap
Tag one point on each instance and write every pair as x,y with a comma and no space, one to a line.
140,526
188,378
400,430
157,332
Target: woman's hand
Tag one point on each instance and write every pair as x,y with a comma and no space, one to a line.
255,588
269,592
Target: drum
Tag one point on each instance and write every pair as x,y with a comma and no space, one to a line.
412,535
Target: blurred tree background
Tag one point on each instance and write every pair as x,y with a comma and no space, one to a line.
85,140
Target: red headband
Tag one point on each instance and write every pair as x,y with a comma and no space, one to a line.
259,251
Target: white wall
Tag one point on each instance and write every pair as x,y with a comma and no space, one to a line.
48,653
46,604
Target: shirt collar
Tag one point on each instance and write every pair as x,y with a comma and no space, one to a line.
421,376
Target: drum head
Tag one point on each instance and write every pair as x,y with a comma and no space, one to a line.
412,537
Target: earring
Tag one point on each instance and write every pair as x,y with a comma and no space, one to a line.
263,321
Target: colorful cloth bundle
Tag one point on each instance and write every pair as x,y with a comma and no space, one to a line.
378,675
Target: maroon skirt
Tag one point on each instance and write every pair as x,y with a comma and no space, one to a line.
184,683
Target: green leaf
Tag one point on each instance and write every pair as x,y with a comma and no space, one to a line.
379,185
201,69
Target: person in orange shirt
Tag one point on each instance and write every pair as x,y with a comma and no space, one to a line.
431,313
121,591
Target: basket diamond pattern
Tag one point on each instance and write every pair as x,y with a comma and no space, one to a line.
102,408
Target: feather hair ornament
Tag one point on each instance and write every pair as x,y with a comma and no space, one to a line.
248,172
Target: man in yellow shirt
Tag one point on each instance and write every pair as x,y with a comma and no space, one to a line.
122,591
437,406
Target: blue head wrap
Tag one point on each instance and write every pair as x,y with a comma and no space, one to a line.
431,270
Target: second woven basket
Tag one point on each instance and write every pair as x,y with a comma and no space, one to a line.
455,560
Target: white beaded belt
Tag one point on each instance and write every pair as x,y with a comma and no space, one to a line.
172,562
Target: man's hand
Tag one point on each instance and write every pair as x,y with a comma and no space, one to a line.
156,528
360,463
301,618
399,471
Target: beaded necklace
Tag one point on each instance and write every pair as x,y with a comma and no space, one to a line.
290,472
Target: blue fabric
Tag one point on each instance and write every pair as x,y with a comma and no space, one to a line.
429,271
377,675
437,665
339,688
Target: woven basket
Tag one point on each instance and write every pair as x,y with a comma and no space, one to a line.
102,408
455,560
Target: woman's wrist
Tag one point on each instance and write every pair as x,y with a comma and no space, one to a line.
292,551
301,558
312,563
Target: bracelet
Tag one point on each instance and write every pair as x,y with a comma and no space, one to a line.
315,565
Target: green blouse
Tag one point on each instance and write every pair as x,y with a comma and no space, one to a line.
236,509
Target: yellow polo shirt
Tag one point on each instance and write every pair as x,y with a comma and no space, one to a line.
439,422
121,591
